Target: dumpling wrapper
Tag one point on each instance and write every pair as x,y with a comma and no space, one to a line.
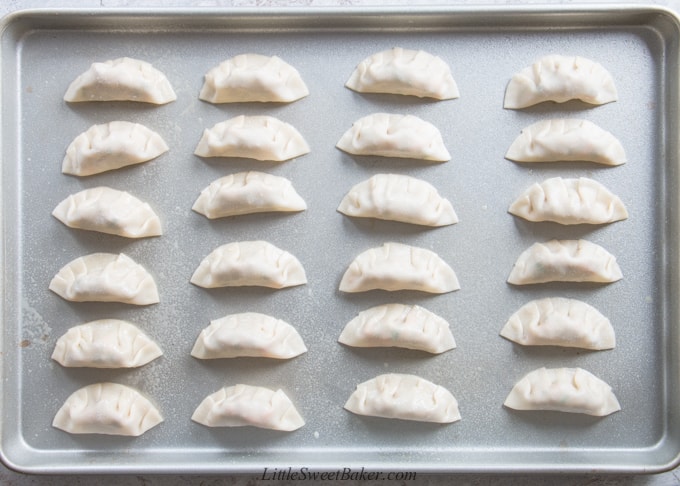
405,397
404,72
249,263
566,139
560,78
243,405
109,211
111,146
248,334
556,321
253,77
399,325
248,193
107,408
391,135
257,137
106,343
396,197
565,261
395,266
105,277
123,79
572,390
569,201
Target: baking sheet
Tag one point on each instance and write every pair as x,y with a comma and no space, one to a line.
43,51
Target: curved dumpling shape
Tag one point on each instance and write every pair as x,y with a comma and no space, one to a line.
253,77
247,193
566,139
556,321
252,137
123,79
404,72
248,334
241,405
107,408
110,146
560,78
569,201
105,277
108,211
389,135
399,325
401,198
405,397
257,263
106,343
565,261
395,266
572,390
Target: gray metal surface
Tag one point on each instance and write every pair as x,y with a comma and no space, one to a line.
43,51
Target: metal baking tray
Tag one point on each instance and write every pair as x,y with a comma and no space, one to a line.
42,51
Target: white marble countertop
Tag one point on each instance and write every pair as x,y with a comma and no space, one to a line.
9,477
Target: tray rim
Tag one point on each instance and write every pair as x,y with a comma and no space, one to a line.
335,12
303,14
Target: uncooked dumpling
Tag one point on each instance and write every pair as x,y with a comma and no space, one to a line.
241,405
556,321
253,77
123,79
110,211
107,408
399,325
252,137
565,261
249,263
566,139
560,78
569,201
395,266
247,193
404,72
248,334
106,343
110,146
405,397
397,197
388,135
573,390
105,277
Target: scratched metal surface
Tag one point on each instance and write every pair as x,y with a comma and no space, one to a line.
43,51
